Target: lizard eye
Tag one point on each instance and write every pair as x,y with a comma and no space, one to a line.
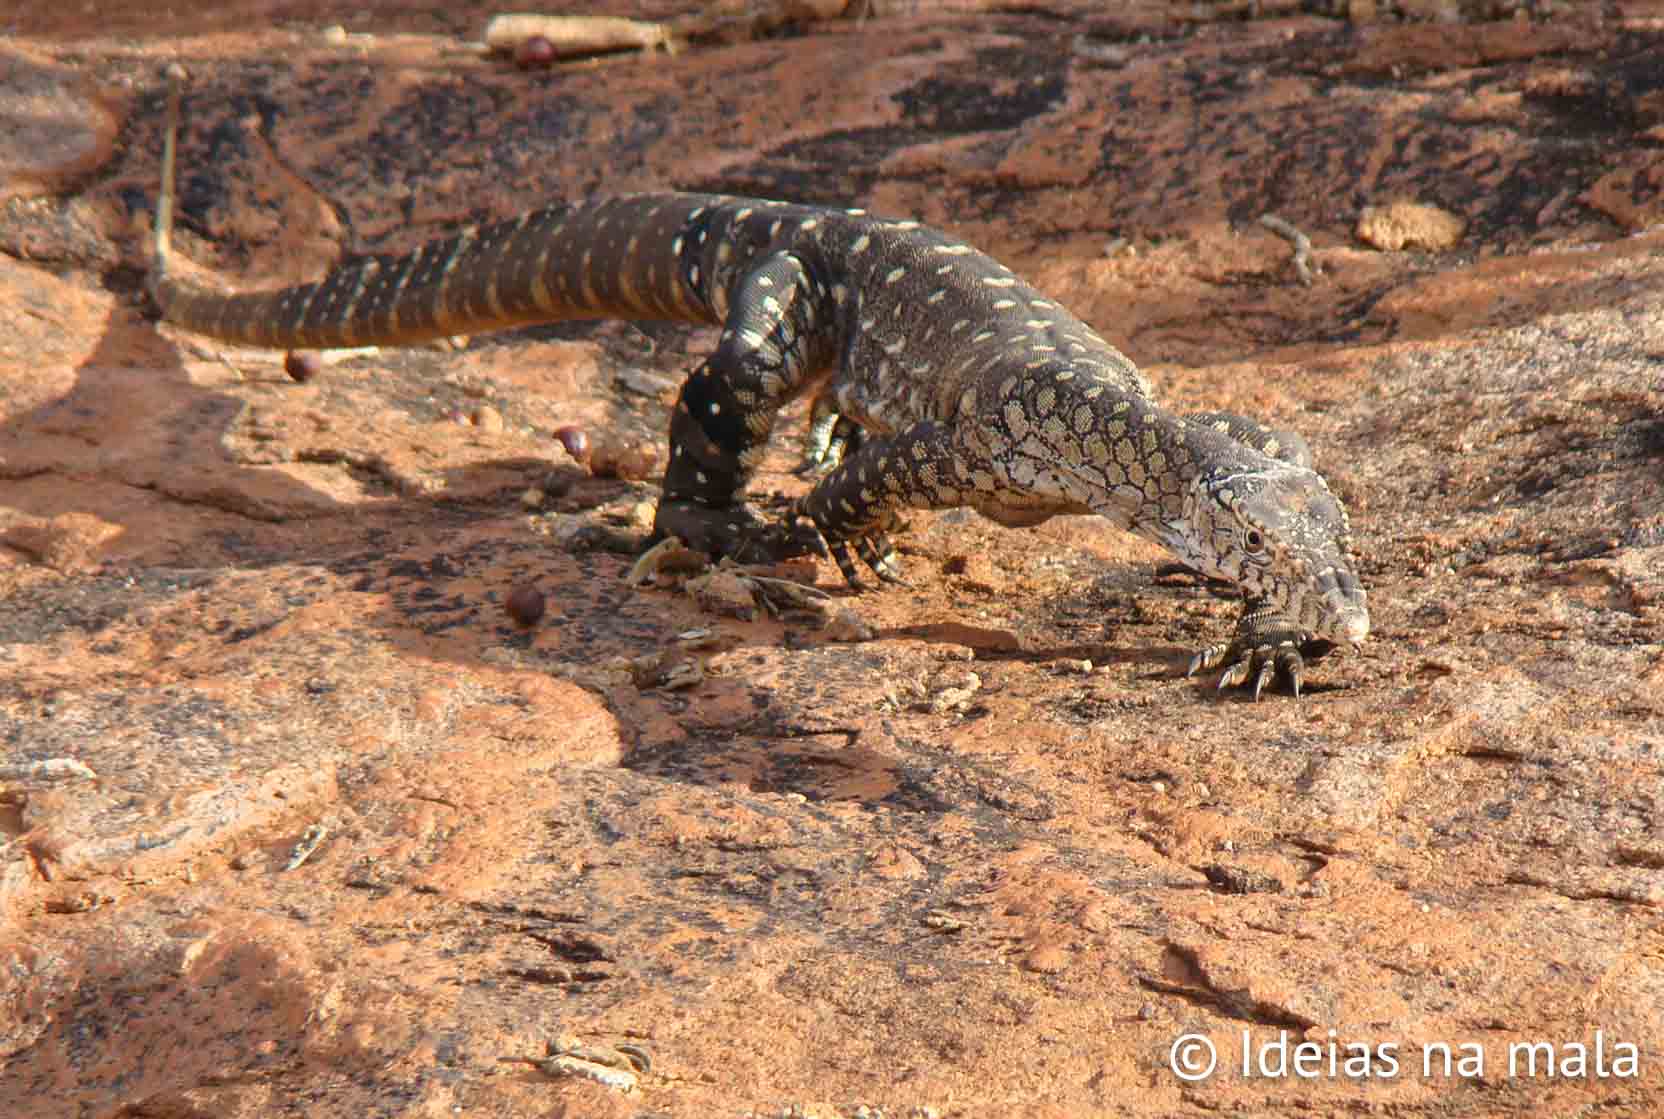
1254,541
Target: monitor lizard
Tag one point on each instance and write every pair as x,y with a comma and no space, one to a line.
941,380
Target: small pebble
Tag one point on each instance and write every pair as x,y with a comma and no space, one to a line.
487,418
638,463
525,605
558,483
302,365
847,625
629,461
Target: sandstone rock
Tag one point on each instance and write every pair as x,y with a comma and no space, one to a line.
1409,225
256,610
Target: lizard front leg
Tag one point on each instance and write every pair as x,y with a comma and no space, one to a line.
771,346
857,505
1280,443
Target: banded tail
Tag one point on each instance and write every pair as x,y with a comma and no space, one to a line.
620,257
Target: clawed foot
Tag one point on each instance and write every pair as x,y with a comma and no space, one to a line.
1263,648
1262,662
735,531
829,441
876,552
821,459
874,548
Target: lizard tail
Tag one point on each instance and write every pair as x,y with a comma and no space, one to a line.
615,258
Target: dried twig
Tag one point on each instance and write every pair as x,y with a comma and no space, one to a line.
1302,246
309,842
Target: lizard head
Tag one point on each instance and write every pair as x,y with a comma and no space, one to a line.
1276,532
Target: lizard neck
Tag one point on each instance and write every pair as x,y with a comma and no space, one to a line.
1138,465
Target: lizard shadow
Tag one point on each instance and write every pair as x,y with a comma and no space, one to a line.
166,467
1160,664
131,424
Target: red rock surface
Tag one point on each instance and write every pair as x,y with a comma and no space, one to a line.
994,860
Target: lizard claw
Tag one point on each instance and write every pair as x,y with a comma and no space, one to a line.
830,440
1263,663
800,538
871,543
841,557
879,554
1263,648
818,463
876,552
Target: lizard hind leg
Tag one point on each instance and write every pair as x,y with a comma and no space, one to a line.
772,344
830,438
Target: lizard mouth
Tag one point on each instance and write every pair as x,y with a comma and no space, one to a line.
1348,617
1346,623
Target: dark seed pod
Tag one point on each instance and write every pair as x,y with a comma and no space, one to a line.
302,365
525,605
575,440
534,52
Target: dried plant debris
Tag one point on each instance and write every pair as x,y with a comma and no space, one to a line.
46,771
533,40
574,36
666,562
1404,224
619,1067
310,841
1384,11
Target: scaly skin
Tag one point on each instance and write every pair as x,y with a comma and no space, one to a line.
941,380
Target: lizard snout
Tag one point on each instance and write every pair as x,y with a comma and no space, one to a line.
1346,615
